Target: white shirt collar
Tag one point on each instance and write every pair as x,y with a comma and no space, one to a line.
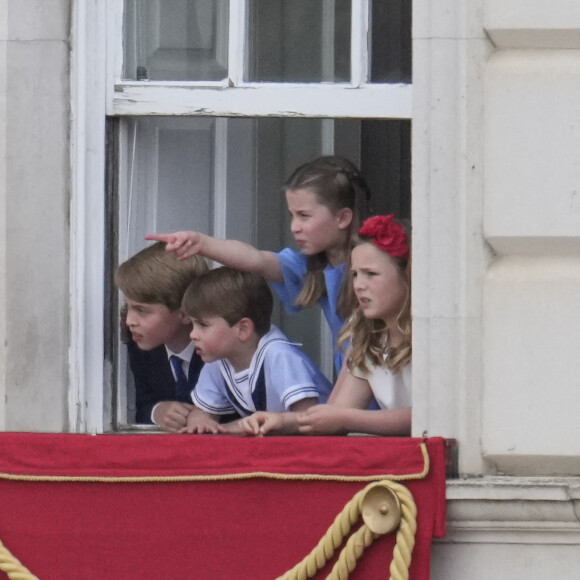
186,354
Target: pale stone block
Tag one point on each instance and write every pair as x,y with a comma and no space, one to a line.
37,182
533,23
3,241
37,19
449,252
503,561
447,384
447,19
435,185
532,174
531,341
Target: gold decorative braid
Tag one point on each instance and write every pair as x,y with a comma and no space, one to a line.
226,476
361,539
12,567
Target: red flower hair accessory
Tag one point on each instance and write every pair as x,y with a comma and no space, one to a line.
387,235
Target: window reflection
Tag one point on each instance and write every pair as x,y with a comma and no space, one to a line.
299,41
176,40
391,41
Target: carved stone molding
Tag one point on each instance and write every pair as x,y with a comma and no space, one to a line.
513,510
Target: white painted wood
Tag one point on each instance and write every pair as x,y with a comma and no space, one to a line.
237,51
387,101
86,378
360,64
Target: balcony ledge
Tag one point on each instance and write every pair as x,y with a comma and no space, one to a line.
519,510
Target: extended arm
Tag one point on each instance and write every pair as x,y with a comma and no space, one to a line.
227,252
333,420
347,413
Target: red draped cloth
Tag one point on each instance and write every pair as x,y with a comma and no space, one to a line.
164,507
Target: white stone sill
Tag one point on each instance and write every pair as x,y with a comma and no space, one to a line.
519,510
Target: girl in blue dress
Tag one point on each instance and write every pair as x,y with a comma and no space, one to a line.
328,201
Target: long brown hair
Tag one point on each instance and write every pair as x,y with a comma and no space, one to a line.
367,336
337,184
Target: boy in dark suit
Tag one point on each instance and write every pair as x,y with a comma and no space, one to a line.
161,355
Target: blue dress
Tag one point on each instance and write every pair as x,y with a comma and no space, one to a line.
294,268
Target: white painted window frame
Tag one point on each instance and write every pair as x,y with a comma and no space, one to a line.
234,96
97,91
87,234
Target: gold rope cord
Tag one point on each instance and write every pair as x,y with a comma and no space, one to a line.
12,567
361,539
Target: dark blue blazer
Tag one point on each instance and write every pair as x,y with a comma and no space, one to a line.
154,380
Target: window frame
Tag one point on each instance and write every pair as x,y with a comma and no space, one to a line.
234,96
98,91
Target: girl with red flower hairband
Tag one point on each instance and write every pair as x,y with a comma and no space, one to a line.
328,201
379,331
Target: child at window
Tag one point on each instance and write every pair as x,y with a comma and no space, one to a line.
328,200
250,364
379,359
153,283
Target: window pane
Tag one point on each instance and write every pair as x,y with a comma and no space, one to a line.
167,182
176,39
391,41
223,177
386,165
299,41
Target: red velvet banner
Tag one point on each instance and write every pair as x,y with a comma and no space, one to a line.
163,507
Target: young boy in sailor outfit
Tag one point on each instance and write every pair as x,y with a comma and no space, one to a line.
251,367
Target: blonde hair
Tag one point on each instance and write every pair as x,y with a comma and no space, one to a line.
368,336
337,184
154,276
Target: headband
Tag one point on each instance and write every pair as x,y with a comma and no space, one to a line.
387,234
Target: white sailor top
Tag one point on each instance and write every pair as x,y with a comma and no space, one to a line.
279,375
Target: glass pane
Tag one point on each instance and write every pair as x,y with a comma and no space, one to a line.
386,165
391,41
299,41
176,40
194,173
168,179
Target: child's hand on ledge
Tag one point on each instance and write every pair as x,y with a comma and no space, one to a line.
171,416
